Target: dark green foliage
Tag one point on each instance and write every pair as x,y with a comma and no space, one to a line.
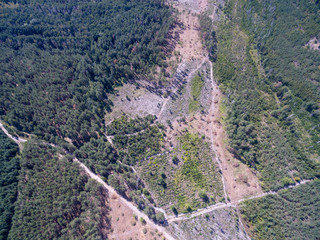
160,218
59,59
293,214
56,199
203,195
98,155
174,210
175,159
208,36
9,171
124,125
271,83
225,70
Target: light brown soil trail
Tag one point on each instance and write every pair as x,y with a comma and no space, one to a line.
128,206
240,181
17,140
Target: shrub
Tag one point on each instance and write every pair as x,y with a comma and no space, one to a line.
142,220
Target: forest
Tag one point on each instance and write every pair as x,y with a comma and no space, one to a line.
291,214
272,116
9,171
56,198
60,59
58,62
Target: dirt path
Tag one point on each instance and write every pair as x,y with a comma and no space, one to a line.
170,219
17,140
111,190
176,89
227,205
126,202
239,180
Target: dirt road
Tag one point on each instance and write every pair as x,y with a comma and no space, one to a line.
111,190
227,205
17,140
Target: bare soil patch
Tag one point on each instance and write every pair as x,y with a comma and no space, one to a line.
189,45
240,180
314,44
126,226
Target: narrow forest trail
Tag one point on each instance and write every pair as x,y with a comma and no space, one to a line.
126,202
110,189
17,140
136,211
226,175
227,205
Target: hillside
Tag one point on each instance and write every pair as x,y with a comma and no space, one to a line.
149,119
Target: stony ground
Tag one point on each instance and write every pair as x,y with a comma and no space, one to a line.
218,224
191,59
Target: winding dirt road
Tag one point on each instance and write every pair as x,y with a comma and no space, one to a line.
126,202
111,190
227,205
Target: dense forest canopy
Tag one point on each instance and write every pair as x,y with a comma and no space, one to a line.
60,59
9,172
271,81
293,214
56,200
58,62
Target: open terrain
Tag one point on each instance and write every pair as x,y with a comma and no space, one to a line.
194,122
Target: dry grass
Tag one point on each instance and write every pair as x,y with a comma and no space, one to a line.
125,226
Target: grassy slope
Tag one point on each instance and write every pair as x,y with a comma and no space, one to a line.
197,84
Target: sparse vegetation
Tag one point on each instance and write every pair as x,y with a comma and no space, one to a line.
181,183
197,84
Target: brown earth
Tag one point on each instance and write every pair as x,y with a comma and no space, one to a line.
189,46
240,181
126,226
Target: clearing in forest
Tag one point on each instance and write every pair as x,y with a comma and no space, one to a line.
184,179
